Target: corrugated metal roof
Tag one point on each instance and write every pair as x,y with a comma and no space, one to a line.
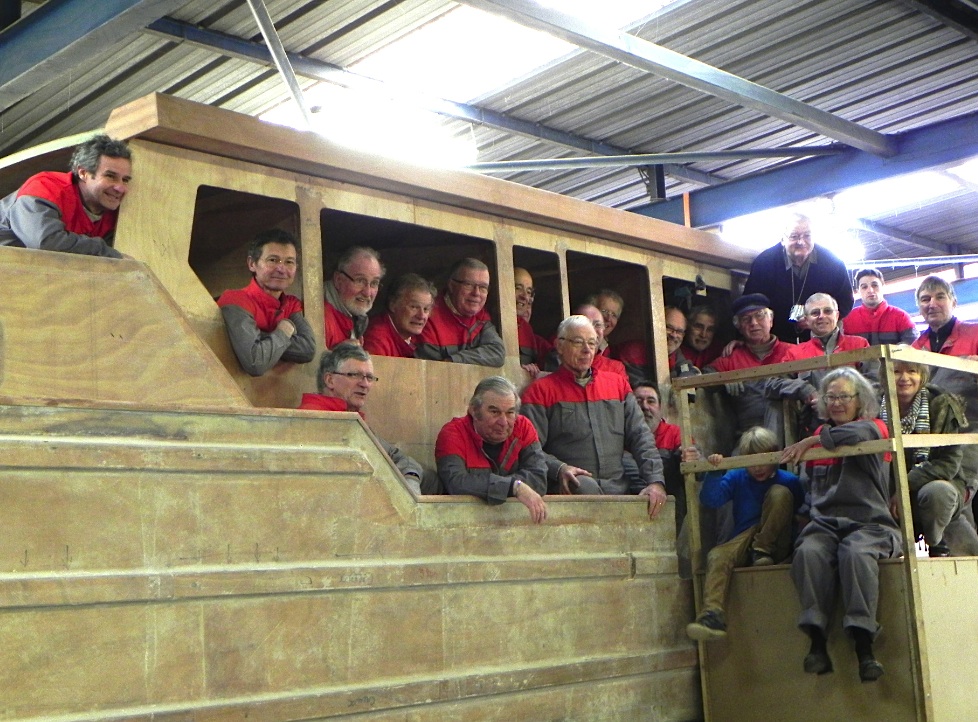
885,65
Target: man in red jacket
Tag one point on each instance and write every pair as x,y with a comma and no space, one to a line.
459,329
492,452
346,375
875,320
72,212
409,306
265,325
350,294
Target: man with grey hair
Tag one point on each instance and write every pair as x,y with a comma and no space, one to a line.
460,329
586,419
793,270
492,452
350,294
346,375
73,212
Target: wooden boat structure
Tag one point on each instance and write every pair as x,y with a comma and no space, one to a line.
180,543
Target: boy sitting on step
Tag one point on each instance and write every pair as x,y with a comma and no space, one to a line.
764,501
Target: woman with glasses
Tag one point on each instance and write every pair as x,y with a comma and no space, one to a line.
851,526
938,490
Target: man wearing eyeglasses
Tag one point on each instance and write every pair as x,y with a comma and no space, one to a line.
533,348
492,452
611,305
459,329
265,325
753,405
586,418
346,375
792,271
350,294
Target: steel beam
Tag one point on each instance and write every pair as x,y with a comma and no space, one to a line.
938,144
638,53
914,239
61,34
318,70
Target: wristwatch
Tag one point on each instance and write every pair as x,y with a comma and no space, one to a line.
516,487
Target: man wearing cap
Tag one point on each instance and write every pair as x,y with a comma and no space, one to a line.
877,321
753,318
792,271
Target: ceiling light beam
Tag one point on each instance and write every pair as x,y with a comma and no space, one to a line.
638,53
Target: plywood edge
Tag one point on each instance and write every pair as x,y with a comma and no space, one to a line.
178,122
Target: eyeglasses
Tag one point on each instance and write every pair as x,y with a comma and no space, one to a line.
609,315
755,317
841,398
816,312
795,237
276,261
674,330
599,325
469,287
530,291
579,343
369,378
363,283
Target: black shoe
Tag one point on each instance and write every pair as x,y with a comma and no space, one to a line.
938,550
869,669
818,662
709,625
760,559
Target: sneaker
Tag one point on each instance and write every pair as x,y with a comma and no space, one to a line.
760,559
709,625
939,550
817,662
870,670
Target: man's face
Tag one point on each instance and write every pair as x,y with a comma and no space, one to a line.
936,307
823,317
525,293
675,330
648,401
870,291
410,312
358,284
797,242
592,314
755,326
275,270
468,290
352,389
700,332
495,419
105,190
576,349
610,312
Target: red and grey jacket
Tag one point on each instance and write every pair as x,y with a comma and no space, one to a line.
465,468
590,427
47,213
404,463
963,341
881,325
533,348
251,316
382,339
449,336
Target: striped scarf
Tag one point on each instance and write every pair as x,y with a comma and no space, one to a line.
917,421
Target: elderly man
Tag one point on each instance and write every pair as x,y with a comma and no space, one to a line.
492,452
409,305
350,294
346,375
753,406
533,348
792,271
73,212
601,361
679,365
668,441
700,345
586,419
611,305
265,325
877,321
460,329
947,335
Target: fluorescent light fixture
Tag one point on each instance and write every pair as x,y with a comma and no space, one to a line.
967,171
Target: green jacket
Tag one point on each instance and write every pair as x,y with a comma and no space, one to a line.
947,416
